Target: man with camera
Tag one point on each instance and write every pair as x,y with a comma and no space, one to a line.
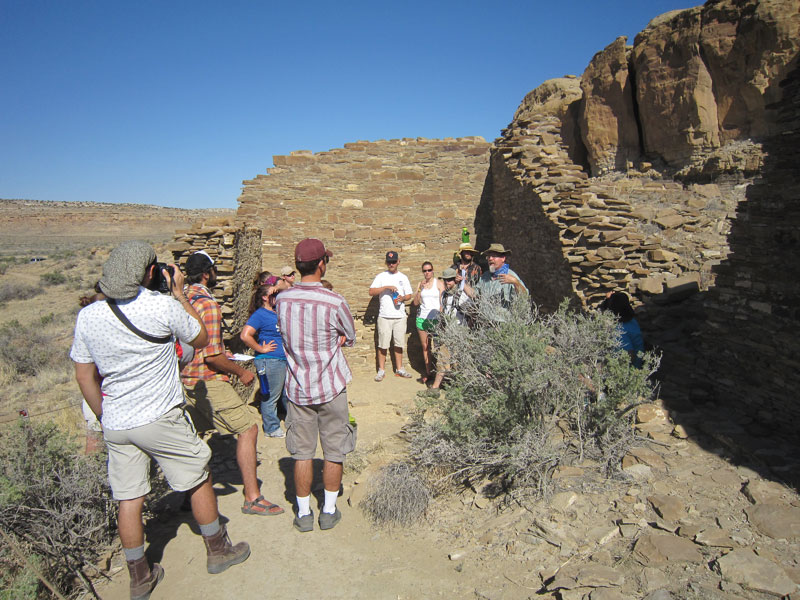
127,370
208,388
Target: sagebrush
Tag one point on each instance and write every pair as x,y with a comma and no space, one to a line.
529,393
54,503
396,496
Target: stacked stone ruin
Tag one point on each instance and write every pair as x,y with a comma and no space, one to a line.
235,252
667,170
637,233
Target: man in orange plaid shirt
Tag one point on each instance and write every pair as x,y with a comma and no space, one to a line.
208,387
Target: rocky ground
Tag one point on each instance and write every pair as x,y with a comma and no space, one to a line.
687,518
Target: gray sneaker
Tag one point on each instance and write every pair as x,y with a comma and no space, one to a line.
278,433
329,521
305,523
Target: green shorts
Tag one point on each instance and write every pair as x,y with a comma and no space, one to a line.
426,324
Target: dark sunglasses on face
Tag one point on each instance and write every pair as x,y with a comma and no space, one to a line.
427,270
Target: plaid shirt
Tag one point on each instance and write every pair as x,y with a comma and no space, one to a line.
208,309
312,320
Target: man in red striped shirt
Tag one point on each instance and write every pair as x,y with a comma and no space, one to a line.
315,323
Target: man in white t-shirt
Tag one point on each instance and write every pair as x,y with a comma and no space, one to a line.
127,370
393,290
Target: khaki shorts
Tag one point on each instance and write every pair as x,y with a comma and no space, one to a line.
391,330
330,422
218,403
171,441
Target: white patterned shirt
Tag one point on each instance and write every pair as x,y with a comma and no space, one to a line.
140,378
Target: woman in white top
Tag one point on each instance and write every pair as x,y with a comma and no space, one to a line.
428,298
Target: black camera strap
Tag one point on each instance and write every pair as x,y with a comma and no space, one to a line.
112,304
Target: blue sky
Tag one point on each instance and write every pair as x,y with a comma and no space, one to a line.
175,103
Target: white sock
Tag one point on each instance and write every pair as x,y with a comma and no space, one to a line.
303,506
330,502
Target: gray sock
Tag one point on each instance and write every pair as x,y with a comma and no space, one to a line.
210,528
134,553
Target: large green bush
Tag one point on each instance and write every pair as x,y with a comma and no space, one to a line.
529,393
54,504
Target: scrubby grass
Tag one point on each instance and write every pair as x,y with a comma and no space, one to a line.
524,398
18,291
54,508
53,278
397,495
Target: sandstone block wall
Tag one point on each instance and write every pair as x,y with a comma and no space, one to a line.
409,195
236,254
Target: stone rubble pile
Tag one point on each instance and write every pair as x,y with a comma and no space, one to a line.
681,522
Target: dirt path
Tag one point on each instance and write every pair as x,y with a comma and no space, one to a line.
354,560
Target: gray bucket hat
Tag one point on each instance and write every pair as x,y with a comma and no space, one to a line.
125,269
449,273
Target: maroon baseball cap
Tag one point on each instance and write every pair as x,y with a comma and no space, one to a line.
310,249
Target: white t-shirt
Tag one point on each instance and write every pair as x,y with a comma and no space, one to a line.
141,381
387,308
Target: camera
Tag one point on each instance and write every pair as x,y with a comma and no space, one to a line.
159,282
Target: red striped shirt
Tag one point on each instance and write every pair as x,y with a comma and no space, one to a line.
312,321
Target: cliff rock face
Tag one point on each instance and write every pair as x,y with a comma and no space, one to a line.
699,79
607,118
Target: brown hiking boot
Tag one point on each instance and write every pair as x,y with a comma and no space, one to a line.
143,578
221,553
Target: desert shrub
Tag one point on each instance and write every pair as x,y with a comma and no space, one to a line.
525,397
396,496
53,278
18,291
54,503
27,349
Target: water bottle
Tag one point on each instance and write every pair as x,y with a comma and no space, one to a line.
395,296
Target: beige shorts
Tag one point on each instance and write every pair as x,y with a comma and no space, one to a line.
391,331
330,422
217,402
171,441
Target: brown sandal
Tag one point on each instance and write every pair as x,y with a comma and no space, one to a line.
261,506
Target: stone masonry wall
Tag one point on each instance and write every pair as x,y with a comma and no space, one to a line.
409,195
235,251
412,195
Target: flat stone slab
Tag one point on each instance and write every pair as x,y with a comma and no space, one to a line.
777,521
758,491
660,549
668,507
754,572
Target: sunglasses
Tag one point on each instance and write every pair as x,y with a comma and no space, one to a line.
290,274
427,270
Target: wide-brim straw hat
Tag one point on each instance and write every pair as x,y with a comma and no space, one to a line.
498,248
466,247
